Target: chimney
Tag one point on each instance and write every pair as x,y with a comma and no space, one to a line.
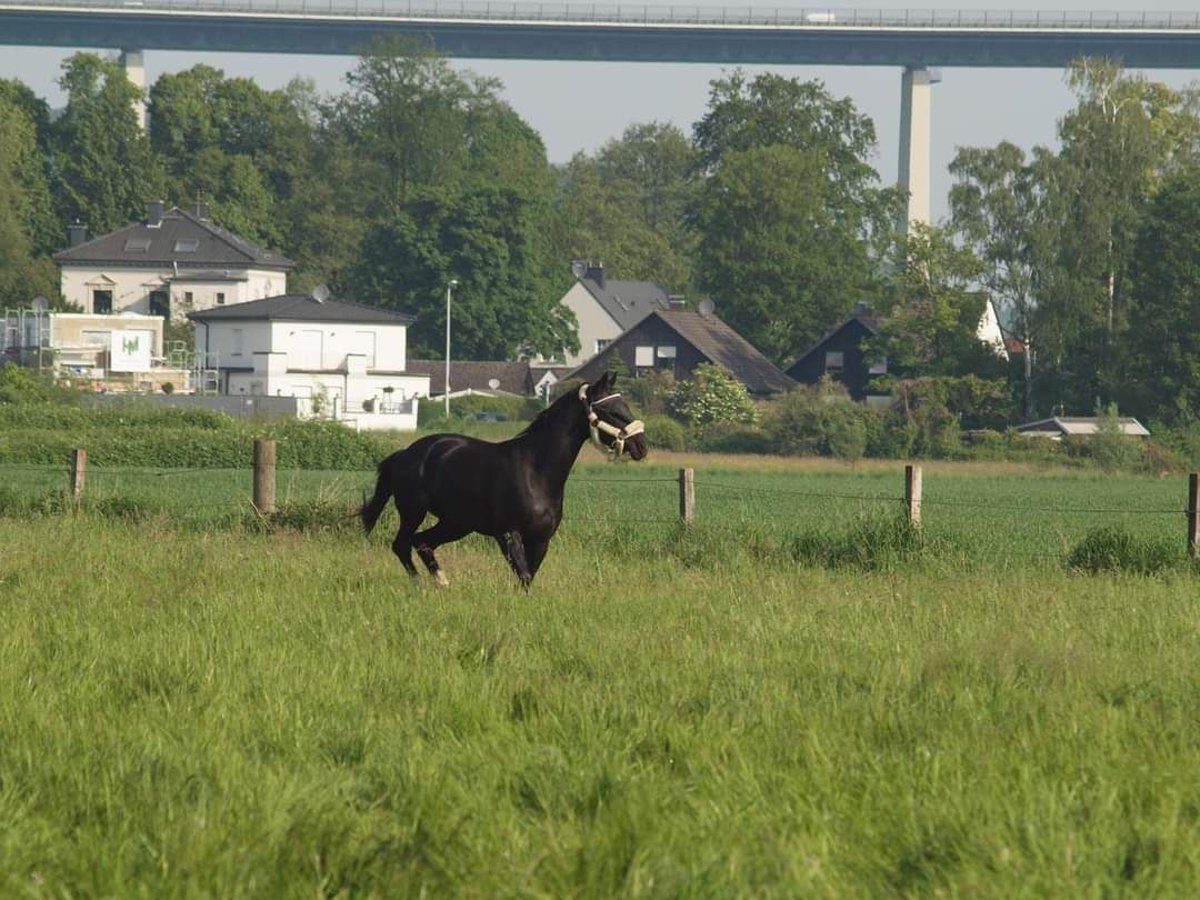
76,234
154,213
200,210
596,273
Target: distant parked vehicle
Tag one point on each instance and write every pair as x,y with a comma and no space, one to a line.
820,18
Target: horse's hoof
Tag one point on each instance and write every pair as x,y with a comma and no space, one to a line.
441,578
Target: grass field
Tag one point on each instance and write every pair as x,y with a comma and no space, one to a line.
193,710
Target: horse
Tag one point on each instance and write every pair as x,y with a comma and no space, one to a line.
511,491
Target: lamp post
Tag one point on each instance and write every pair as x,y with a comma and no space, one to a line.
452,283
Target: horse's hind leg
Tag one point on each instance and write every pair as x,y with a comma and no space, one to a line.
411,518
430,539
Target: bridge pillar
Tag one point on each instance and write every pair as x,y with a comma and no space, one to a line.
134,63
916,165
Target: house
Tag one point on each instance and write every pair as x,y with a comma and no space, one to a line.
517,379
605,308
109,353
173,263
344,361
677,340
1058,427
840,354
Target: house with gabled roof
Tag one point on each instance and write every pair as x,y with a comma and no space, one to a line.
841,355
605,308
677,340
172,263
344,361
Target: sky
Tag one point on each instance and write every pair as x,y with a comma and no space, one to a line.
578,106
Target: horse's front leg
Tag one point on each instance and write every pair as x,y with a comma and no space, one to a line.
513,549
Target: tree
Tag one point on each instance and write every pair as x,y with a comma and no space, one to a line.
999,209
23,276
104,166
771,253
929,319
506,303
712,395
791,221
1163,374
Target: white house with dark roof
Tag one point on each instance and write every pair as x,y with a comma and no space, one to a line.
345,361
606,308
173,263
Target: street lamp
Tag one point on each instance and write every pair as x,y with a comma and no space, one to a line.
452,283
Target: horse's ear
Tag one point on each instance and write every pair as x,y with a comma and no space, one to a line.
605,383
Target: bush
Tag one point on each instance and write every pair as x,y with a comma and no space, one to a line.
732,437
820,420
1116,550
870,544
712,395
664,433
432,410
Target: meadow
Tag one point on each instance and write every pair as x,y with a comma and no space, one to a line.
198,705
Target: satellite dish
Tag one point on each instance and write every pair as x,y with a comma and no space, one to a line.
706,307
41,304
494,383
578,268
320,293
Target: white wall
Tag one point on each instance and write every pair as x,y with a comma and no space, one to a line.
325,345
131,288
594,323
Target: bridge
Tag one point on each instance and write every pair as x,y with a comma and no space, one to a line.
915,40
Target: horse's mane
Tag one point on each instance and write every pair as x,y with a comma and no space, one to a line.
549,416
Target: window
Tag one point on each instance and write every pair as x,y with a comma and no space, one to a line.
601,343
160,304
188,298
102,302
664,358
220,299
643,357
137,245
239,341
877,366
187,245
834,361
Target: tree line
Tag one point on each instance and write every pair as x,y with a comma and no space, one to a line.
416,173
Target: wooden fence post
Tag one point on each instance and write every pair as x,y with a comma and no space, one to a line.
264,476
912,494
1193,516
687,495
78,473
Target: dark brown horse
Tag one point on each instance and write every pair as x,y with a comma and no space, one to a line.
511,491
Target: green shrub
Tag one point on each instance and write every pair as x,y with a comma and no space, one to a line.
818,421
431,410
664,433
712,395
1112,549
733,437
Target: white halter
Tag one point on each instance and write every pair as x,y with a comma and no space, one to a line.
596,425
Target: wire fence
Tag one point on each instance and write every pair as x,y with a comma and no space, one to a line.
983,513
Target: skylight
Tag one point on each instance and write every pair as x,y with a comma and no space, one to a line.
187,245
138,244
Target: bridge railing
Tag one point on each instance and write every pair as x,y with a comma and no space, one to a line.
638,13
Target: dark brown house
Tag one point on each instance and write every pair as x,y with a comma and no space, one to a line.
677,341
841,355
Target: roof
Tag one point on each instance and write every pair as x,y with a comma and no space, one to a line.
478,375
628,302
302,308
181,238
1058,426
727,348
719,344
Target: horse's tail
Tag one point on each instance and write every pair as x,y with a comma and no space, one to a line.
370,511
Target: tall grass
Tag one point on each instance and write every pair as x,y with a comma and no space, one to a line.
250,715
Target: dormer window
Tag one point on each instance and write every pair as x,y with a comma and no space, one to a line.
187,245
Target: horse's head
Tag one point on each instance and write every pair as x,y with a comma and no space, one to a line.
610,421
